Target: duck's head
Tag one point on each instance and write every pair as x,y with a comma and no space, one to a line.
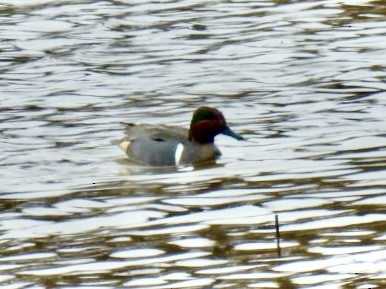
207,122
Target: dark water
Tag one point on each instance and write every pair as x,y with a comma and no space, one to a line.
303,80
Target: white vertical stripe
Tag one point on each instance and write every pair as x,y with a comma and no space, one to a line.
178,153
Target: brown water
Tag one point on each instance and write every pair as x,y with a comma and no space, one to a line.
303,80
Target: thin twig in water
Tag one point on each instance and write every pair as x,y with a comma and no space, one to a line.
277,235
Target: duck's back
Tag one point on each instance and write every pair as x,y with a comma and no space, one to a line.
164,146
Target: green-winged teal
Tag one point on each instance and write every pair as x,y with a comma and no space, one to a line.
160,145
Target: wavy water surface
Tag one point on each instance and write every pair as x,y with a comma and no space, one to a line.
304,81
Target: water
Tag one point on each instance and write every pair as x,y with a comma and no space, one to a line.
304,81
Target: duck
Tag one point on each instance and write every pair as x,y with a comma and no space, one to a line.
165,145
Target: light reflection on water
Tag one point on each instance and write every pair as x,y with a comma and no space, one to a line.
303,81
